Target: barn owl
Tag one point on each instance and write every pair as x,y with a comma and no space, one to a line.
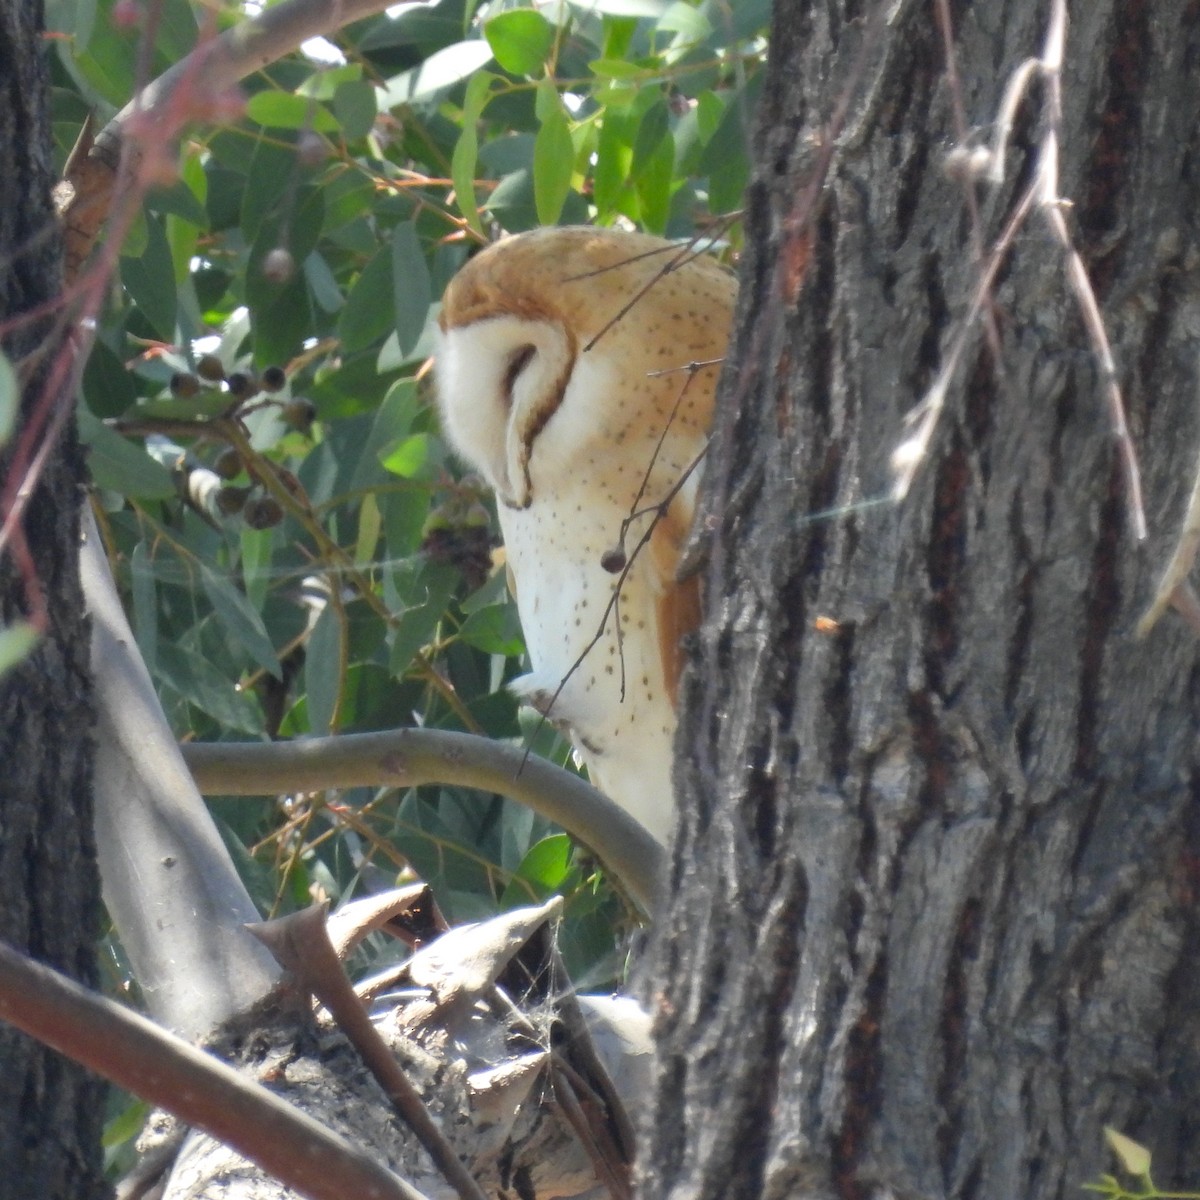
562,378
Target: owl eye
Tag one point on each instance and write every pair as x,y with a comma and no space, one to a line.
517,362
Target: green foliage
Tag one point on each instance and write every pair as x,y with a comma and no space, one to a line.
10,398
308,559
16,641
1135,1162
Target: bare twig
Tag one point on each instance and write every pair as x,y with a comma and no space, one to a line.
1174,576
680,256
1044,194
954,86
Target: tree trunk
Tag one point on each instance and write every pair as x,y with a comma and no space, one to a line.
933,919
50,1111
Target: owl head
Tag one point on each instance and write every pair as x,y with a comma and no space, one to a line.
550,341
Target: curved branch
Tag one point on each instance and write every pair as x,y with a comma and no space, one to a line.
411,757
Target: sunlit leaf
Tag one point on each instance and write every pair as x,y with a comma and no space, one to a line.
1133,1156
466,149
441,70
410,456
283,110
521,39
615,68
691,22
16,641
545,870
624,8
553,157
325,83
370,524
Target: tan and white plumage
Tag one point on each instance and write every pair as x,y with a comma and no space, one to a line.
550,393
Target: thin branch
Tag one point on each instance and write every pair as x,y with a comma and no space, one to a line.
216,66
412,757
1174,576
137,1055
958,108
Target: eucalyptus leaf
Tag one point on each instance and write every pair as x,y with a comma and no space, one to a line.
16,642
354,107
121,465
521,39
283,110
370,309
198,681
439,71
413,292
241,620
323,670
150,280
10,398
553,162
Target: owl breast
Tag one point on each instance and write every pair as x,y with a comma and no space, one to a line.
581,418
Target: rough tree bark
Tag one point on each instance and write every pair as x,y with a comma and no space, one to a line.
932,919
50,1111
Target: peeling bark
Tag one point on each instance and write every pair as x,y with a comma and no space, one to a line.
932,920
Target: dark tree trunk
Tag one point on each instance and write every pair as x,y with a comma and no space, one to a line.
50,1112
933,919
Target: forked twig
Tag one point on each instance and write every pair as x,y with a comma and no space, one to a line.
1043,193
